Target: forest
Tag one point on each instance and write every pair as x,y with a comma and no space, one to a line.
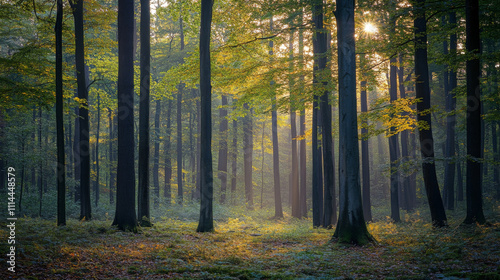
249,139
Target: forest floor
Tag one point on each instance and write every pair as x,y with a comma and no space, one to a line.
252,247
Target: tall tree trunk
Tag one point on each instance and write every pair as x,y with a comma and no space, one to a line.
278,209
180,191
422,90
394,146
365,157
206,186
76,154
125,216
405,155
167,189
112,168
143,201
234,157
294,182
320,51
449,179
317,170
460,177
351,226
473,185
248,155
40,175
156,156
302,126
84,149
96,186
61,166
222,164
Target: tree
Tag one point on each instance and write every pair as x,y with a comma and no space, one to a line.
206,182
180,191
61,166
351,226
365,157
83,133
167,190
278,210
394,147
320,52
248,155
222,164
426,139
143,173
156,156
125,216
473,186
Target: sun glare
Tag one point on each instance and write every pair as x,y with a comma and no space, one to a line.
370,27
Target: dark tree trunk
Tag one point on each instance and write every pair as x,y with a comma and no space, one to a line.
449,179
61,168
76,154
222,164
248,155
143,201
96,186
206,183
234,157
317,170
167,190
196,195
405,155
294,182
473,184
278,209
156,156
84,149
302,127
460,177
365,157
41,173
394,147
351,226
422,90
320,51
112,164
180,191
125,216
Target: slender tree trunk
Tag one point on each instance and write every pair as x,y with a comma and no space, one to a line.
167,191
474,148
76,153
460,177
365,157
248,155
422,90
61,166
320,62
394,146
96,188
40,176
234,157
112,169
294,182
206,186
84,149
125,216
180,191
156,156
143,201
351,226
302,126
405,155
222,164
317,170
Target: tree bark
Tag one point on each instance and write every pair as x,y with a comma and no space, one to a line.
351,226
156,155
143,201
473,185
426,139
84,149
222,164
125,216
394,146
167,189
61,166
365,157
405,154
206,186
248,155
